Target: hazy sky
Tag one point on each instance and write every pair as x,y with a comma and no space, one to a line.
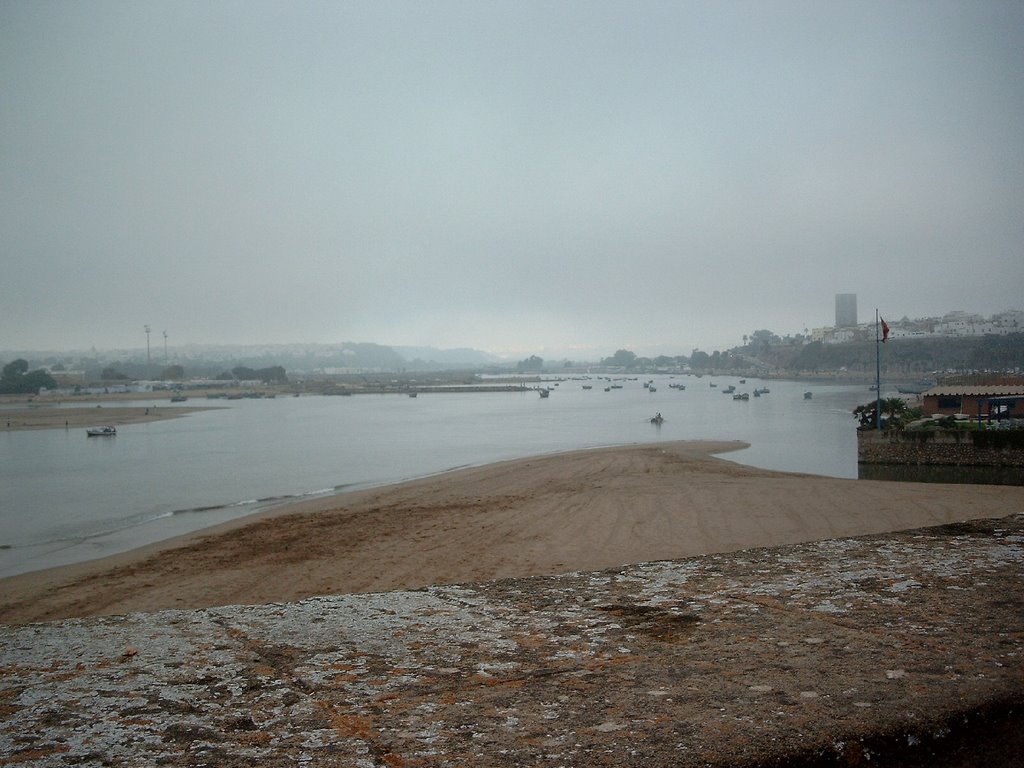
521,177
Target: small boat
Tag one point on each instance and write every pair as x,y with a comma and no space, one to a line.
652,388
412,394
101,432
178,399
728,390
588,386
741,396
543,392
657,419
808,395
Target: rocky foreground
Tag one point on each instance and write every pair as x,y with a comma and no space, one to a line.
902,649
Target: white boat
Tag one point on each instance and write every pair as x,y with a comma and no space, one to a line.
101,432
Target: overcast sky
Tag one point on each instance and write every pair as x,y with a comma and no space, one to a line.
521,177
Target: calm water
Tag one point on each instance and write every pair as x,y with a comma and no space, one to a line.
66,498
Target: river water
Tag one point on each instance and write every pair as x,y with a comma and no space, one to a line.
66,498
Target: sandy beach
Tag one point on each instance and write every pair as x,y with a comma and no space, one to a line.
50,417
584,510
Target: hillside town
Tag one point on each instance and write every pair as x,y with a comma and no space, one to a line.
957,324
958,343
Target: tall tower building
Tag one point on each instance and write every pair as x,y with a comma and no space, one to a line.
846,310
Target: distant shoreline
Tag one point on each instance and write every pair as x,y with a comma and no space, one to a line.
49,416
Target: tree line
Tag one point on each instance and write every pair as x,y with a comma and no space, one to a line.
763,350
17,379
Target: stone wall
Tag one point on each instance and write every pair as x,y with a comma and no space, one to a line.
943,447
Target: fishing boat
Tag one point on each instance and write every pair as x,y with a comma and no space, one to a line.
101,432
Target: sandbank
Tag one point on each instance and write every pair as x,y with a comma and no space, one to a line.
51,417
577,511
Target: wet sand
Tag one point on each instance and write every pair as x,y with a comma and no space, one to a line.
578,511
51,417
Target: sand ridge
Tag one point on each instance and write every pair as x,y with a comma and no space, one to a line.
576,511
51,417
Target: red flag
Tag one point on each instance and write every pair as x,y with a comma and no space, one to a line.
885,330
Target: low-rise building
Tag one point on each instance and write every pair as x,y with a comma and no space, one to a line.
1005,401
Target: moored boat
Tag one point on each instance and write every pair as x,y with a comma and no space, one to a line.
101,432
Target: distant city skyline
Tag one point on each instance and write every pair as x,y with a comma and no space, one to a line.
952,317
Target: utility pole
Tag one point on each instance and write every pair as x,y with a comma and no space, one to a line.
149,372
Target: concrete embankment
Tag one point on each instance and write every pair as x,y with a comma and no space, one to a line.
901,649
942,447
